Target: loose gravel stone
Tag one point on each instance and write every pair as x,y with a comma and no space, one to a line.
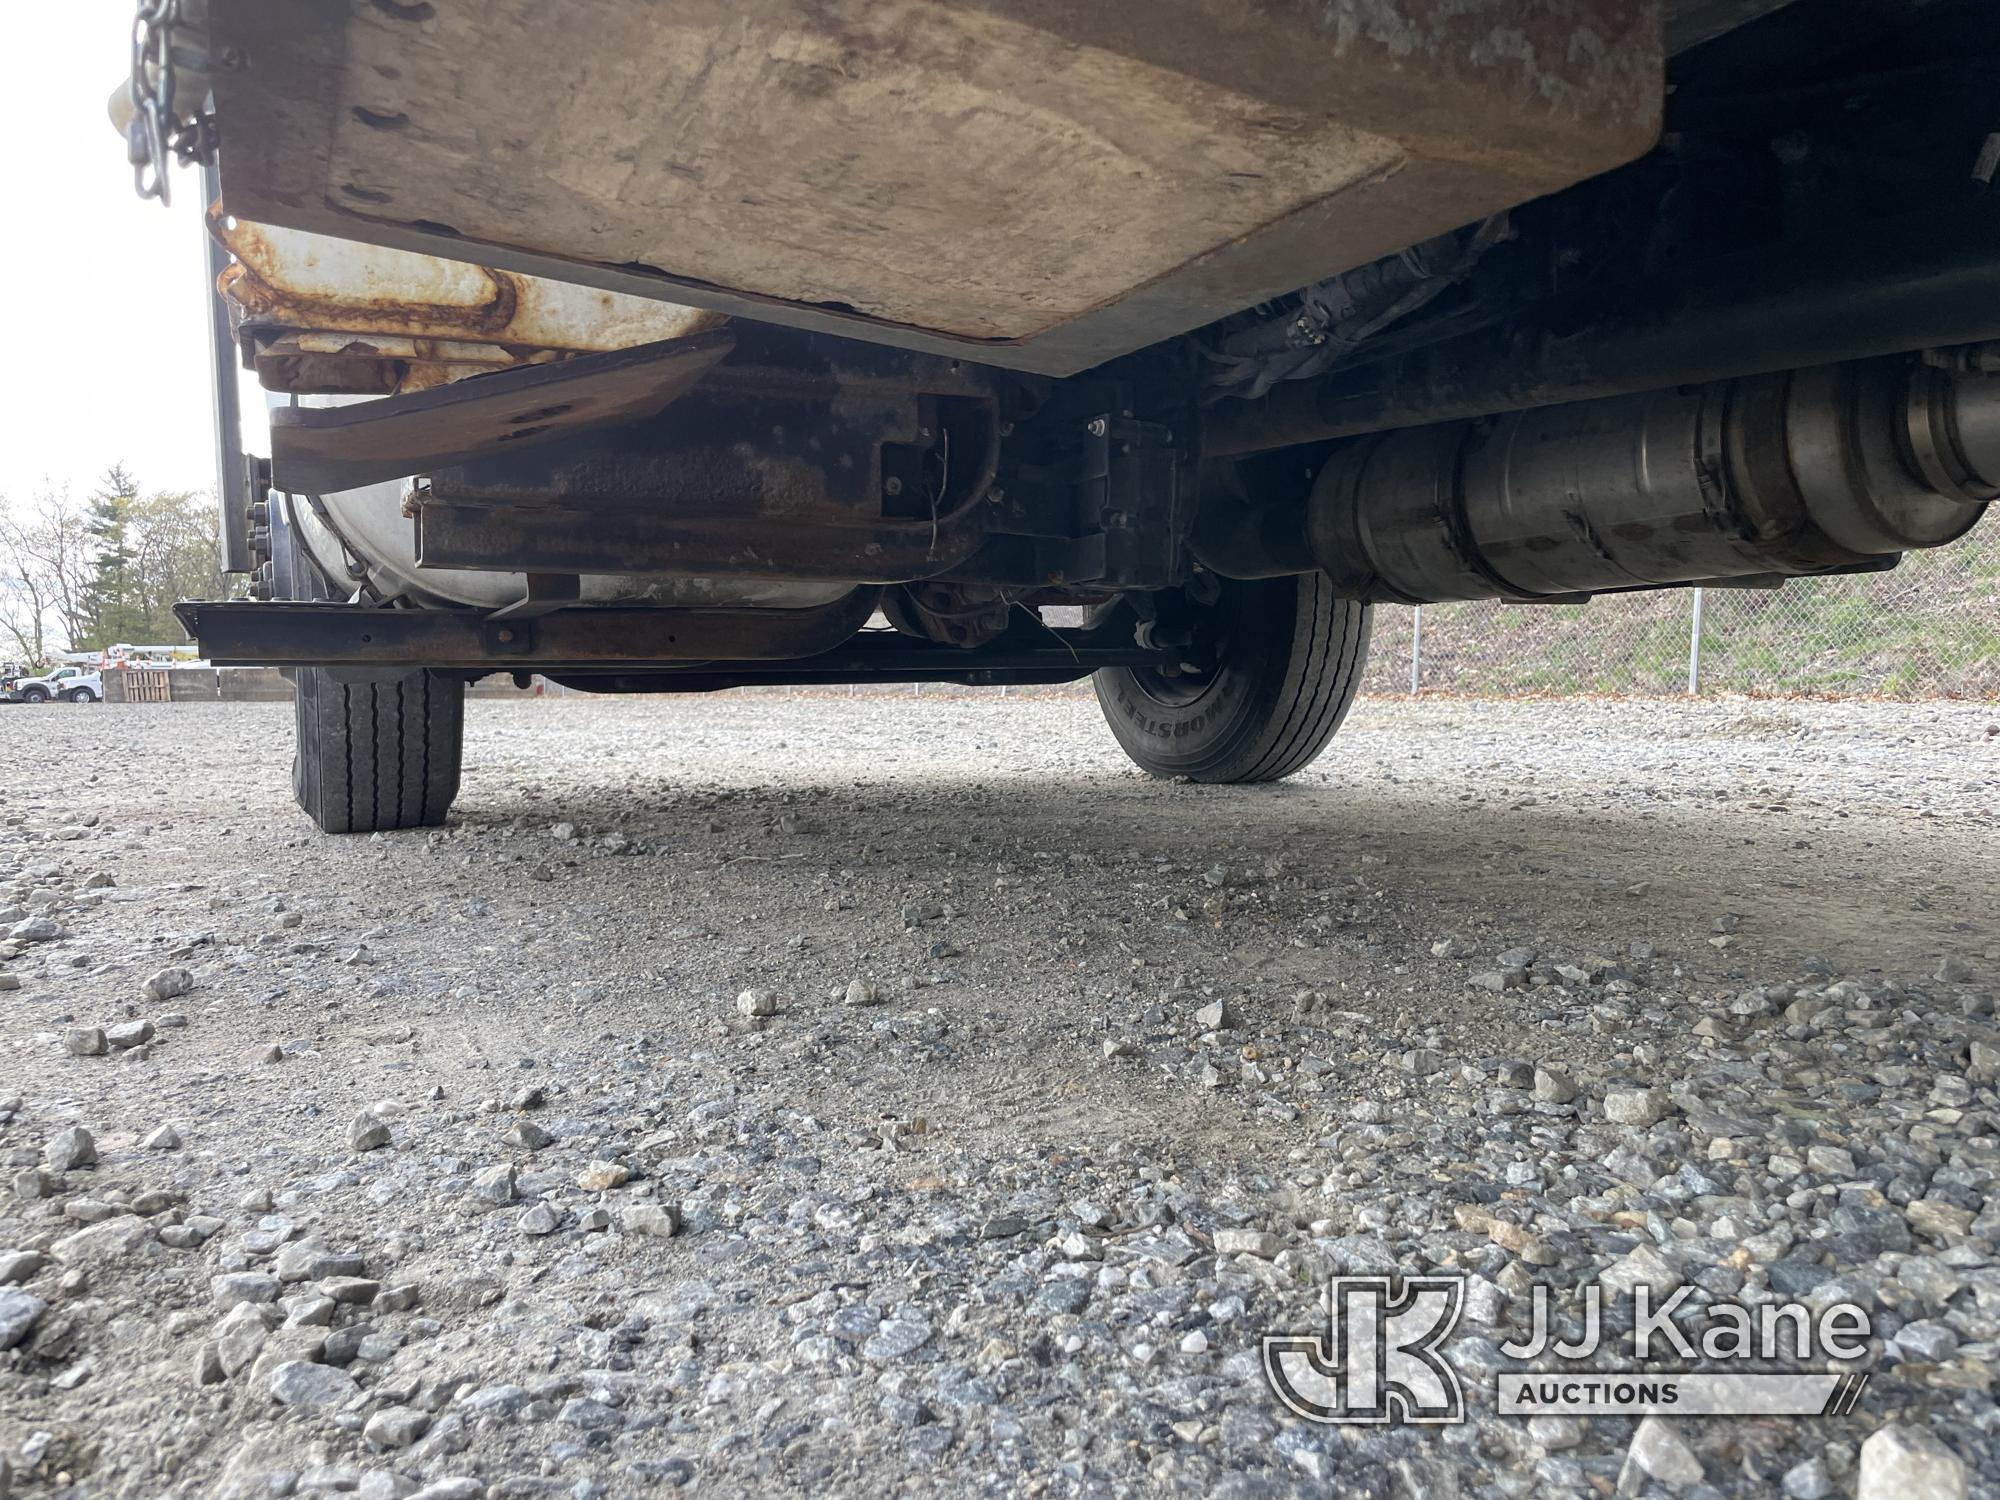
167,984
895,1339
539,1220
1808,1480
311,1387
1553,1086
1659,1452
495,1184
1154,1063
651,1220
1640,1107
603,1176
19,1313
130,1034
122,1238
70,1149
367,1133
396,1426
1247,1242
19,1265
1900,1462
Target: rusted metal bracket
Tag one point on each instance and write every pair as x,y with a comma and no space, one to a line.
238,633
319,448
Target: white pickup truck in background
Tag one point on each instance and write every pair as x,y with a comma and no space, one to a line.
65,684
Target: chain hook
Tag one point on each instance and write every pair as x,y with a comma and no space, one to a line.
156,136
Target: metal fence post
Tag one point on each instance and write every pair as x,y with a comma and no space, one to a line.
1694,647
1416,647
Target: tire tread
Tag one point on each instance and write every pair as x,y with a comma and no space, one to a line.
377,756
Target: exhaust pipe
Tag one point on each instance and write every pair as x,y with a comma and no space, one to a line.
1836,468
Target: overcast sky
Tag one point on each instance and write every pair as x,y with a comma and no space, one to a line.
104,319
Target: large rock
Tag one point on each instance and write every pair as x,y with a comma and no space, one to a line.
367,1132
19,1313
1908,1463
19,1265
167,984
1257,1242
309,1387
1659,1452
495,1185
284,1346
1553,1086
1640,1107
70,1149
396,1426
243,1286
652,1220
114,1239
240,1337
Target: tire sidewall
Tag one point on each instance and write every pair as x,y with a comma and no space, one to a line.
1204,733
1184,738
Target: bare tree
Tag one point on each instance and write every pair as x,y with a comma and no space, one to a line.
46,560
24,601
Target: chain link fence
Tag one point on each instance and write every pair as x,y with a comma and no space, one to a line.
1928,628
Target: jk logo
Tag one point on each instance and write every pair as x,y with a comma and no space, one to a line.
1378,1360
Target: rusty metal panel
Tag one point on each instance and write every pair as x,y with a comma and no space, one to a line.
1039,183
319,448
332,315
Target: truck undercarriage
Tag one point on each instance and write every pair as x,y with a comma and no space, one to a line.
842,343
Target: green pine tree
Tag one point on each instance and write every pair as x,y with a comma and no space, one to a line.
113,607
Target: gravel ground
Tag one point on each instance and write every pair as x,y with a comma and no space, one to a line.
845,1095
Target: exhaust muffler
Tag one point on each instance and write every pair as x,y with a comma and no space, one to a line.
1830,469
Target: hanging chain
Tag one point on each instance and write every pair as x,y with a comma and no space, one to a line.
156,134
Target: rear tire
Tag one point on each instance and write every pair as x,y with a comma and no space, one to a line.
373,754
377,755
83,695
1289,663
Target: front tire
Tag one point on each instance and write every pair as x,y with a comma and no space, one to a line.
1288,663
34,695
374,752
